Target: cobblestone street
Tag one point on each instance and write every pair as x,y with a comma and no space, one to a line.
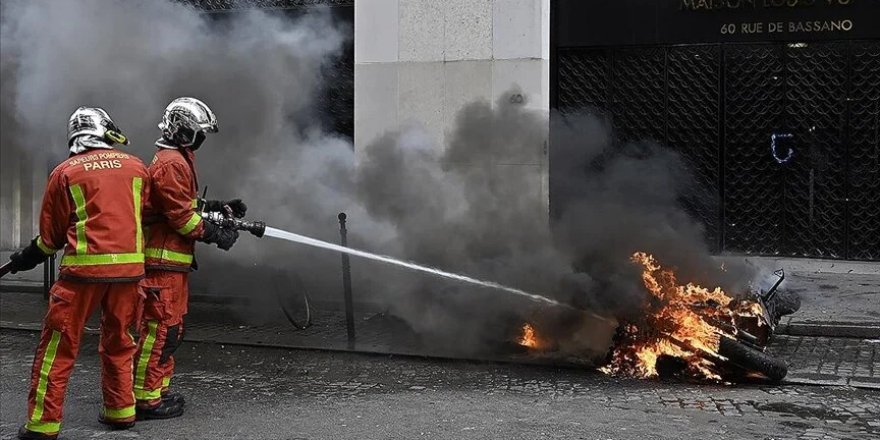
263,379
830,361
264,393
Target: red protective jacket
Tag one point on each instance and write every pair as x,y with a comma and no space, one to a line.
92,208
173,223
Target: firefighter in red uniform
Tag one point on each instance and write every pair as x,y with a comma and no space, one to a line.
92,209
172,227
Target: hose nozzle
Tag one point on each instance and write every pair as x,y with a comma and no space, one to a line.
256,228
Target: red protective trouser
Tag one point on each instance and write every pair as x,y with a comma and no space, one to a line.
70,305
161,331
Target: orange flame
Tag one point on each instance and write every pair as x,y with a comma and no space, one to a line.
528,338
677,325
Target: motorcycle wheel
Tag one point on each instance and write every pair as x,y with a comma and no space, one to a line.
752,360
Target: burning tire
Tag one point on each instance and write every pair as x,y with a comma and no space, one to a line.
752,360
783,303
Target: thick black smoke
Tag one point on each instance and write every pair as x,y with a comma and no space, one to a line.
478,208
474,206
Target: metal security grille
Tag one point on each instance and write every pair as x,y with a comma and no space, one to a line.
692,102
863,142
720,105
667,95
753,188
335,102
814,180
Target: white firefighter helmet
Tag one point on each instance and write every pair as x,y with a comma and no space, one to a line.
186,121
96,123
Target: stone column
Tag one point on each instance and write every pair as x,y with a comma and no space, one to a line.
420,61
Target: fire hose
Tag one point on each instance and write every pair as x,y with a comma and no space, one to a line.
6,268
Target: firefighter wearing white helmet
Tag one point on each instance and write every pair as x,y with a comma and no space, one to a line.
185,124
91,127
175,224
91,212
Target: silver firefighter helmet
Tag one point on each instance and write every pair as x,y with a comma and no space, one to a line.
96,123
185,123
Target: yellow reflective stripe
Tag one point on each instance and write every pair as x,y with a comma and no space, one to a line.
190,225
80,200
195,203
43,383
101,259
119,413
42,245
144,359
136,185
43,427
166,382
165,254
147,394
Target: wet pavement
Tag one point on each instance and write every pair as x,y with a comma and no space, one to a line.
240,392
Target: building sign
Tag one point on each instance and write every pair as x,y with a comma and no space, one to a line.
616,22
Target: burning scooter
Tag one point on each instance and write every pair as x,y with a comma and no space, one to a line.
684,330
691,331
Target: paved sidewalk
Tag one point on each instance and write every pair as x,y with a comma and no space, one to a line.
839,298
219,323
832,304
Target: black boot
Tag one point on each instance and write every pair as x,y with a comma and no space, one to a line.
26,434
166,409
115,425
174,397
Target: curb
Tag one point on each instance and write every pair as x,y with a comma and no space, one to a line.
809,265
858,330
793,379
867,383
16,286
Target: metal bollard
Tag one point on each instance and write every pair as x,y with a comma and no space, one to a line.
346,283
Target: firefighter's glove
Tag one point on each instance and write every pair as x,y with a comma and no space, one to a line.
27,258
222,237
237,208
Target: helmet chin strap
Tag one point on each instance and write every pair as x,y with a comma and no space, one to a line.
198,141
168,145
164,143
